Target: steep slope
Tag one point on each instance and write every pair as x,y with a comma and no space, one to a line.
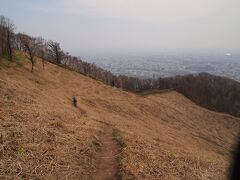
161,136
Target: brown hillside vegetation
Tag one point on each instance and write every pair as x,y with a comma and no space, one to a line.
161,136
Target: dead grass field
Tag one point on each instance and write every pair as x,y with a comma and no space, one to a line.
165,136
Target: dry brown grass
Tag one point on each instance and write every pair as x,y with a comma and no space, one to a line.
166,135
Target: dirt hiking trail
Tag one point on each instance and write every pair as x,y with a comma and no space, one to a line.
106,164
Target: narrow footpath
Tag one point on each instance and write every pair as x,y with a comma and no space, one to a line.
106,164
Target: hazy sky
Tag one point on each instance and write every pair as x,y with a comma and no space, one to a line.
130,25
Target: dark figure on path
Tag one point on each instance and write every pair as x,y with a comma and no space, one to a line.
74,102
112,83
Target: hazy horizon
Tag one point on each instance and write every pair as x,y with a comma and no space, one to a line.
91,26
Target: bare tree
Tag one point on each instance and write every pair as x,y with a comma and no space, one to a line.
30,46
42,49
55,52
2,35
6,37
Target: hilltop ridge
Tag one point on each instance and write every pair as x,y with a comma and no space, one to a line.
162,136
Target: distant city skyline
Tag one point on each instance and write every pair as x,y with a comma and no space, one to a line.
130,26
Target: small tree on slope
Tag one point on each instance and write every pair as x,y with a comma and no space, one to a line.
29,45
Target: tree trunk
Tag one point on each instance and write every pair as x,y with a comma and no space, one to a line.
9,46
32,62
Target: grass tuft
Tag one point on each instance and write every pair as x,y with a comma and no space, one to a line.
121,145
117,137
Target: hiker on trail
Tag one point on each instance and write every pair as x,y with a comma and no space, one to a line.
74,102
112,83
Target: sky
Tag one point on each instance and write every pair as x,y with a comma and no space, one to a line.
130,25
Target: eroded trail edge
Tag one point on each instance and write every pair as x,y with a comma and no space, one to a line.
106,164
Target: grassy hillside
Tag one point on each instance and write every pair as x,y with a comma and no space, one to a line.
160,136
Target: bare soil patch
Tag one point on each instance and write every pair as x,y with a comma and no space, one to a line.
106,164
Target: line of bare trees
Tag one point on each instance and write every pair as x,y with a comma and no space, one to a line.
51,51
210,91
121,81
6,37
213,92
33,46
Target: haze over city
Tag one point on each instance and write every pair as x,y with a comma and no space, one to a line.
130,26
